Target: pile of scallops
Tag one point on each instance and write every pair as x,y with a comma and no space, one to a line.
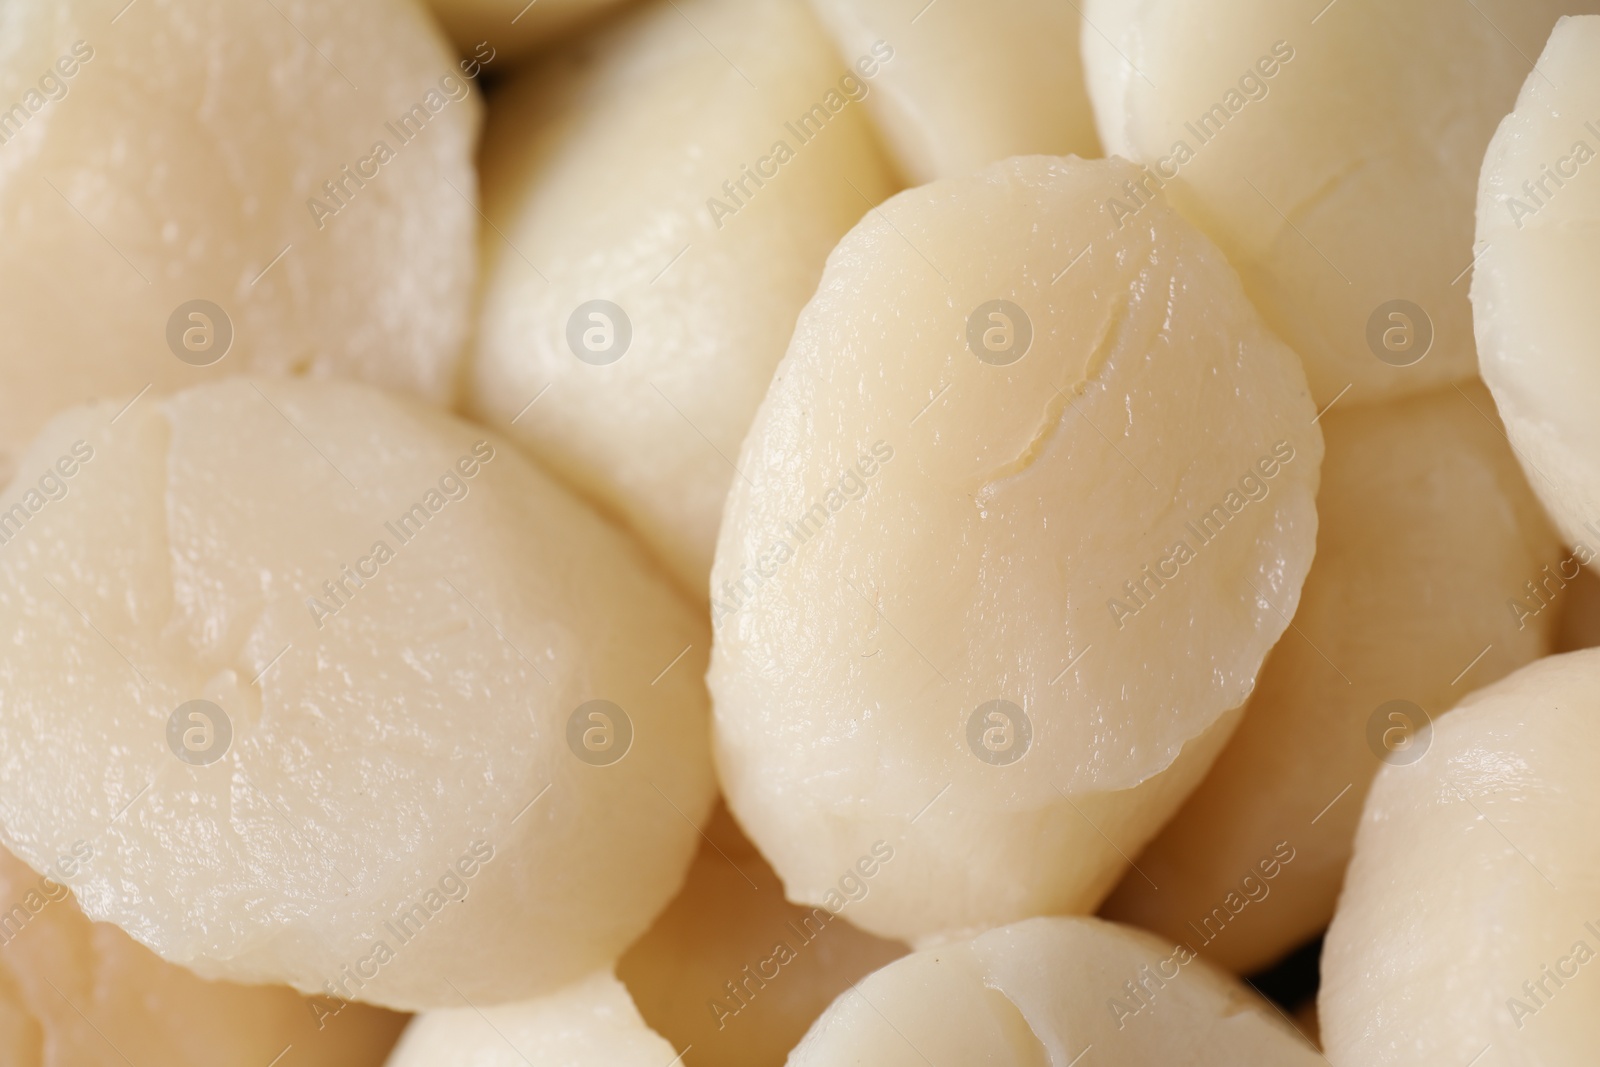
900,533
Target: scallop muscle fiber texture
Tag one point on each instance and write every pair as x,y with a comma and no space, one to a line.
661,212
1025,507
1533,294
395,617
180,160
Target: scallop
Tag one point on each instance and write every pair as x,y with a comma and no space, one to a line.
960,85
1470,918
342,693
1026,505
1050,992
1331,149
192,190
1436,573
75,993
591,1023
1533,292
660,207
514,28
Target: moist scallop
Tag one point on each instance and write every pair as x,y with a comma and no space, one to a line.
1027,503
1470,917
344,694
1049,993
1333,155
193,190
1533,292
959,86
660,209
1436,573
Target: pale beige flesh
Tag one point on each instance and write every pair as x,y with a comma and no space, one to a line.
1470,919
698,194
1332,150
401,623
590,1023
1052,993
75,993
1428,540
202,151
924,532
967,83
515,28
1533,292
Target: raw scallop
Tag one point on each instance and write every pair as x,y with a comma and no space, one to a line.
1332,150
940,611
1428,540
401,789
1470,918
1534,291
660,213
79,994
1046,992
964,83
184,150
591,1023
